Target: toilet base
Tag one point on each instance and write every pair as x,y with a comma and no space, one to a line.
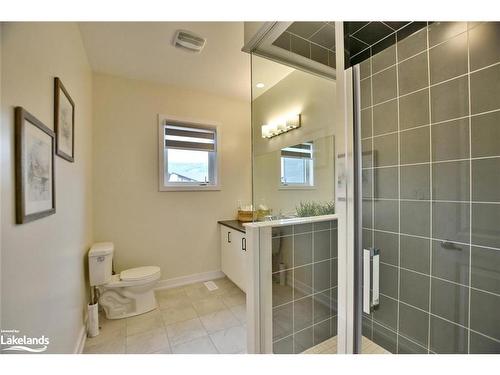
119,304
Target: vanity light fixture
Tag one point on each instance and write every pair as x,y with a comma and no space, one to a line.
281,126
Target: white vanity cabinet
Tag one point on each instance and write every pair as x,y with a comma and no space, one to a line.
233,255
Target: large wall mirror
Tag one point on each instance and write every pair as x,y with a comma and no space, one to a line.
293,141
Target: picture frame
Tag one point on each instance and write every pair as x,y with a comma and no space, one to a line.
34,168
64,121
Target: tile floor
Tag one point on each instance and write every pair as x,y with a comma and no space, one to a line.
189,320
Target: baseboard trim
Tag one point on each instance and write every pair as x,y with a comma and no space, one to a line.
82,337
189,279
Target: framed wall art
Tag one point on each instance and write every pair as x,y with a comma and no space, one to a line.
35,177
64,122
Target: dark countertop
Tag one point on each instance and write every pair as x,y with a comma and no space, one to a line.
233,224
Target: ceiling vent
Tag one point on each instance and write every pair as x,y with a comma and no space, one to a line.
189,41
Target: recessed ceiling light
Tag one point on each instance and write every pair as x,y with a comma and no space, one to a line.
259,85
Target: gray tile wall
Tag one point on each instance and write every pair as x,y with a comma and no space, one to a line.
377,39
430,129
304,276
312,40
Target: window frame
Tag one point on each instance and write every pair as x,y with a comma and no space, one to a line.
308,170
163,120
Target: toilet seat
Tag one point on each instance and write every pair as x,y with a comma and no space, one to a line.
139,273
134,276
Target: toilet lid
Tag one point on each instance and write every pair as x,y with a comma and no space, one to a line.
139,273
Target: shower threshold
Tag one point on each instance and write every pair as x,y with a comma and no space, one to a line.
330,347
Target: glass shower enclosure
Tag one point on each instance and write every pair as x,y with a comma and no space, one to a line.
401,133
428,174
294,148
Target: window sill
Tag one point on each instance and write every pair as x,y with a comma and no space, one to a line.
191,188
296,187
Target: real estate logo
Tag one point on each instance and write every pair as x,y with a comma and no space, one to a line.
11,341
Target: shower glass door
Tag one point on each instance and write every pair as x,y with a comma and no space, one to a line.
427,115
298,153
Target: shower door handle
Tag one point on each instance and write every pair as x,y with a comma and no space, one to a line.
366,281
375,277
371,279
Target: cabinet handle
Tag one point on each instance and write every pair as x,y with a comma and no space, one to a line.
229,237
244,244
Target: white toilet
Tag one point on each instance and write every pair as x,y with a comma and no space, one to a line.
122,295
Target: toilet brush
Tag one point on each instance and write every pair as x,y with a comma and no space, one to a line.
93,315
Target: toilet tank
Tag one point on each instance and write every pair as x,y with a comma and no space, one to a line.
100,263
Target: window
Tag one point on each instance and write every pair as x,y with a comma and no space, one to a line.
188,156
297,166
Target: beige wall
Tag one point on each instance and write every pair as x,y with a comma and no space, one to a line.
177,231
43,280
314,98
